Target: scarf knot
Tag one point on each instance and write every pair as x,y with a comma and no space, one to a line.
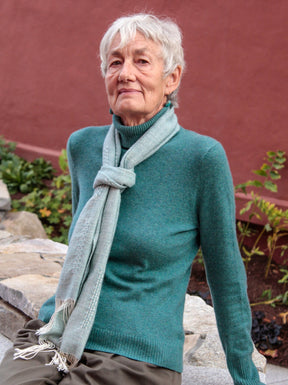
117,177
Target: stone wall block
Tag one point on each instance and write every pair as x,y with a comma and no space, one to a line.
13,265
27,293
42,246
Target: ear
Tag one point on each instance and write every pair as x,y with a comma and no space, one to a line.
173,80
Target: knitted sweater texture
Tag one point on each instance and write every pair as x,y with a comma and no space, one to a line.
183,198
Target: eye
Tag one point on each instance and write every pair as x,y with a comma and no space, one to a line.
115,63
143,61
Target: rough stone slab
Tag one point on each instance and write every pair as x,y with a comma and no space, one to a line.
28,292
194,375
37,245
11,320
13,265
23,223
5,237
5,344
208,352
5,200
199,318
191,343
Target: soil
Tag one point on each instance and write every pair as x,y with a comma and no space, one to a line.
257,283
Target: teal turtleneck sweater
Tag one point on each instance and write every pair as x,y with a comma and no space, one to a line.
183,198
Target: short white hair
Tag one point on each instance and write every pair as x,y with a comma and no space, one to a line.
162,31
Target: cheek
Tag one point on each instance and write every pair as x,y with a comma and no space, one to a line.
110,85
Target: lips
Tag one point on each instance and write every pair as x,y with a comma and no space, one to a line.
127,91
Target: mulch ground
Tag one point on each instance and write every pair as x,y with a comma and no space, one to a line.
268,324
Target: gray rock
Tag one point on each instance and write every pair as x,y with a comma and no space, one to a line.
28,292
5,200
13,265
194,375
43,246
23,223
199,318
5,237
5,344
11,320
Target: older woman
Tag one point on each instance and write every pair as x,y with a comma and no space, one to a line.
159,193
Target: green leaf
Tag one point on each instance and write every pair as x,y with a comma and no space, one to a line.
280,160
271,153
270,186
277,166
260,172
275,175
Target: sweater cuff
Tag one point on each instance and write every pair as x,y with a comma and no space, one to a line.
244,372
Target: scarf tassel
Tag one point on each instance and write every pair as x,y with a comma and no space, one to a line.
59,359
63,309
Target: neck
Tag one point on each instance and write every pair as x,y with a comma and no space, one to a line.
130,134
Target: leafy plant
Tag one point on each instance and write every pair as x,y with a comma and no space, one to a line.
20,175
276,225
6,149
284,279
53,204
281,299
269,171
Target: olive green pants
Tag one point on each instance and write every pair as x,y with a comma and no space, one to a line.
95,368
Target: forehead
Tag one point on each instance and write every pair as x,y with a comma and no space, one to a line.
138,44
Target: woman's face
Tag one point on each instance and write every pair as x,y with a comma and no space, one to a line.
134,80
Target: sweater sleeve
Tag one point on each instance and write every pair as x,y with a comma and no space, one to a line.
224,267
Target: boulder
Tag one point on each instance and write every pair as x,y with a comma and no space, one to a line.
23,223
205,349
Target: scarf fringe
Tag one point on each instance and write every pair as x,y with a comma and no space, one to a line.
32,351
59,359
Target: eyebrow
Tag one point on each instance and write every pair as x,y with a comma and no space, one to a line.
138,51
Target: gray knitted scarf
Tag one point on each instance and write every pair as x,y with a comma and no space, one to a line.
82,275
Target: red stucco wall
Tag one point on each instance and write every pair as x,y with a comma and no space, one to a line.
234,88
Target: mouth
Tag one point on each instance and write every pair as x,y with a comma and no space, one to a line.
127,91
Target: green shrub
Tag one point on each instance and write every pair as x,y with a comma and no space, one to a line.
275,219
20,175
52,204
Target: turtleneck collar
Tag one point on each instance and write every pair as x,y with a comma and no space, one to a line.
130,134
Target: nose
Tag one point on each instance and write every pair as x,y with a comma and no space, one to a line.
127,72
